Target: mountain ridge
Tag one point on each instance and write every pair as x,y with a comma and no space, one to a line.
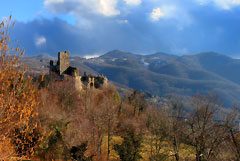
166,74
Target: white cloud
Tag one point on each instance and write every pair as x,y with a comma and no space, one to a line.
163,12
49,2
223,4
92,56
81,7
108,7
40,40
156,14
227,4
176,13
133,2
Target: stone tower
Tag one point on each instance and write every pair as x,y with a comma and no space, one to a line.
69,73
63,58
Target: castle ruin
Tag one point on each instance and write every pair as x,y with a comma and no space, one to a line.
66,72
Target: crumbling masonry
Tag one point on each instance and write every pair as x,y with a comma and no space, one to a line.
66,72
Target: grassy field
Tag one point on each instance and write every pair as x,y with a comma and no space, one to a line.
186,152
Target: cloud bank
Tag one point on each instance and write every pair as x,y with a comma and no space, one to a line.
83,7
133,2
139,26
224,4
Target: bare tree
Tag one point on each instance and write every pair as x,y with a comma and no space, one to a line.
137,100
232,123
202,129
158,128
176,120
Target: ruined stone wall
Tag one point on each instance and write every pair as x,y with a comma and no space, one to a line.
63,58
78,83
66,72
105,82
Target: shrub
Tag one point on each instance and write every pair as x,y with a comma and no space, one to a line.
130,148
78,153
18,95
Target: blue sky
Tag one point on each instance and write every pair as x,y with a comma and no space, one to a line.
93,27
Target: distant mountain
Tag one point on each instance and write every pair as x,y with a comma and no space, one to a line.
117,54
222,65
161,55
164,74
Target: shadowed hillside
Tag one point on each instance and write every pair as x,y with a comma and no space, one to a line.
163,74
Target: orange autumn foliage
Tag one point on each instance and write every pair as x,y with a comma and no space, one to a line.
18,95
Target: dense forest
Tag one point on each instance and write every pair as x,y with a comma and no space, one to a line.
43,119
